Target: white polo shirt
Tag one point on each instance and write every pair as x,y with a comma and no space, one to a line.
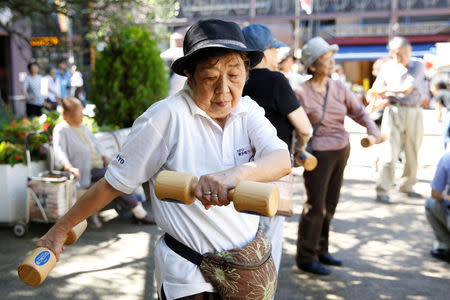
175,134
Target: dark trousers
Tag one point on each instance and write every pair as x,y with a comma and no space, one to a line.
33,110
202,296
127,201
323,186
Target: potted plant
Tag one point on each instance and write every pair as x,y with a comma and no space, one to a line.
13,169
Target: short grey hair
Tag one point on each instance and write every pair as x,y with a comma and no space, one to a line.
398,42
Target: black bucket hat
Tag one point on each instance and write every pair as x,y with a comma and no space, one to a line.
214,33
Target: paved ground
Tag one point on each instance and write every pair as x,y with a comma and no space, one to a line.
385,248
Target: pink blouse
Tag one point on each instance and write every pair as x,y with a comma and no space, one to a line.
331,134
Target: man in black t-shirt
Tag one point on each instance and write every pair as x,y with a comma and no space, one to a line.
272,91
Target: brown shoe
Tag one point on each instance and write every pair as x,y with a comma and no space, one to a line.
94,221
147,220
442,254
314,267
328,259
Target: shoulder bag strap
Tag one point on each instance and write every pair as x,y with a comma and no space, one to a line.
323,110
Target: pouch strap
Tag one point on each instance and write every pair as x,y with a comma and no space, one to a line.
183,250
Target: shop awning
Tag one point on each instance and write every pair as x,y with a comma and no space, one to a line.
373,52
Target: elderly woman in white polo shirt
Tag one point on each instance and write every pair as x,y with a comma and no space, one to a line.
207,129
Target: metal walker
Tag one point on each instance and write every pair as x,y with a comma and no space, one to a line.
49,194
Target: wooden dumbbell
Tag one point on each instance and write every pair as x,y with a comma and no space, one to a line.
248,196
307,160
36,266
372,140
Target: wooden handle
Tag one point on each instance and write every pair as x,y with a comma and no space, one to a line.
36,266
75,232
247,196
307,160
372,140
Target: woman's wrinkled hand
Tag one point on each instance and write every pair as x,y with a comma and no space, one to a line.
75,172
381,138
53,240
212,189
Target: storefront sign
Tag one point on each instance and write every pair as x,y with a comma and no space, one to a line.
37,41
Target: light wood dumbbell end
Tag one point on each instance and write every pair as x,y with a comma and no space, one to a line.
372,140
36,266
256,197
307,160
175,187
75,232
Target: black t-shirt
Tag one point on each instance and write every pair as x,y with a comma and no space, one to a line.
271,90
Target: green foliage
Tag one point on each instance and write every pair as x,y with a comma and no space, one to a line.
149,13
12,137
128,77
6,115
13,132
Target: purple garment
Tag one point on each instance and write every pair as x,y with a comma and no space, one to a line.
331,134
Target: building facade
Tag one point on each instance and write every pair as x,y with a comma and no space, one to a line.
15,53
361,28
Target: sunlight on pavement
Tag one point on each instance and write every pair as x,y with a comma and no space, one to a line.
372,275
344,241
333,297
120,273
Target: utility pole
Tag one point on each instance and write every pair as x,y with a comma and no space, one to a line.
393,21
252,12
297,26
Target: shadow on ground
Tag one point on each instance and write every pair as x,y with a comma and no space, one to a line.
385,250
114,261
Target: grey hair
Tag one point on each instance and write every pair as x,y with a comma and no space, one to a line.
398,42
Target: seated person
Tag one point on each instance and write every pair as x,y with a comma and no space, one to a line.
441,99
437,209
78,152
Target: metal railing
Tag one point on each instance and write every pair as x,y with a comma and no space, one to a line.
419,28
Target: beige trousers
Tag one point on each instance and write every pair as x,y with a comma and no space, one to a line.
404,128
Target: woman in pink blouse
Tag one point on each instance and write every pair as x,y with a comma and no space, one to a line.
330,144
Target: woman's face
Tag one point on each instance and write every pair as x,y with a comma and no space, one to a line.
324,65
34,69
217,85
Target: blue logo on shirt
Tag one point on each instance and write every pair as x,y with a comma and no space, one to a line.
42,258
120,159
243,151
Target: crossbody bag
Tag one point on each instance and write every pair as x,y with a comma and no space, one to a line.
241,273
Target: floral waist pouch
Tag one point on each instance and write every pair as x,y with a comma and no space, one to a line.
241,273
